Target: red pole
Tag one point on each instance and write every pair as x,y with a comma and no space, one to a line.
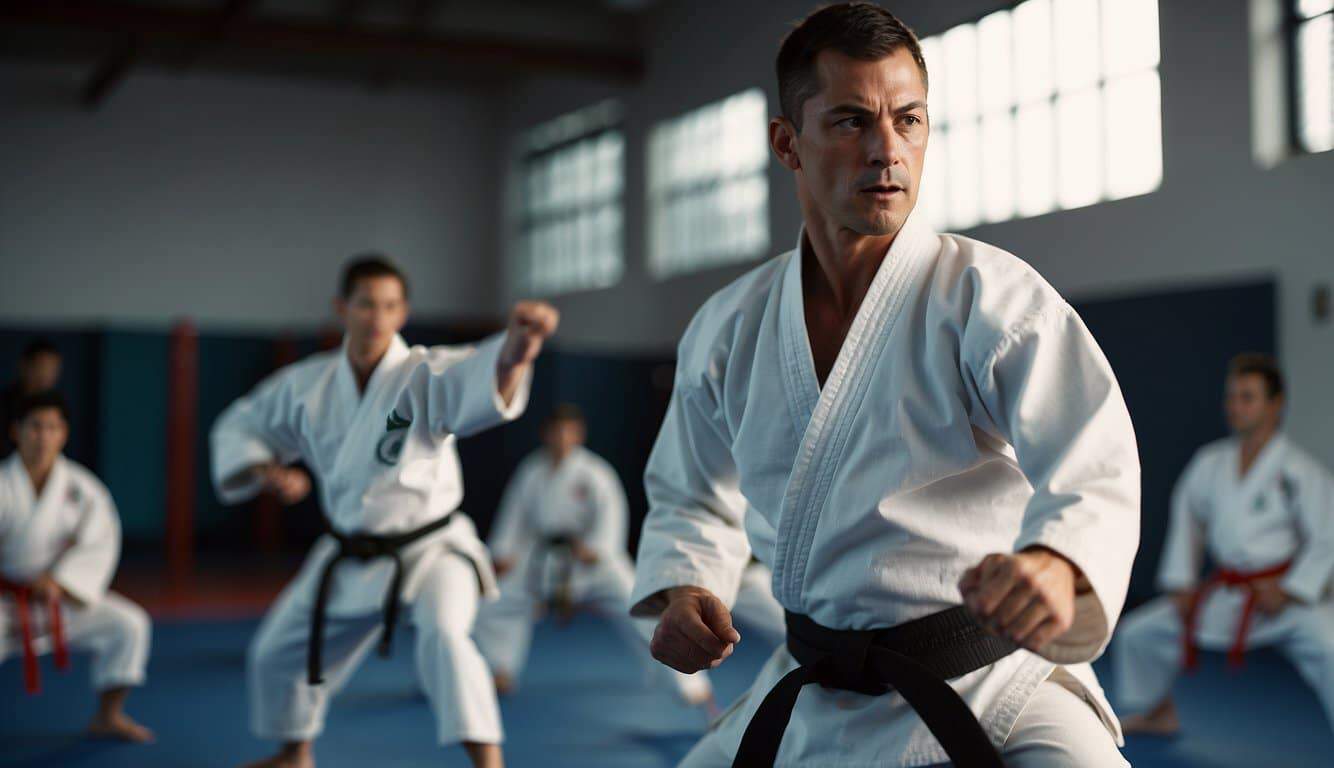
182,434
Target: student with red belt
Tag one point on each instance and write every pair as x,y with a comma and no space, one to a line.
1263,510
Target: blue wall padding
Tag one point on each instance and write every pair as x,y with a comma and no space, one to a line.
1170,352
133,455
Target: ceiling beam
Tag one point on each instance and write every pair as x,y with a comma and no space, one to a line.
177,24
110,74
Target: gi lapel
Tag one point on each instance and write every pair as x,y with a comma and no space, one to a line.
826,431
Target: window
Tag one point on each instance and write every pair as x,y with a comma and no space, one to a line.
571,173
1052,104
1313,74
707,186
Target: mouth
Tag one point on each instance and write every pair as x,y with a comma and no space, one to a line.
882,190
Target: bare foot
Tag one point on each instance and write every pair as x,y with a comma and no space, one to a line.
1161,721
119,726
290,756
504,684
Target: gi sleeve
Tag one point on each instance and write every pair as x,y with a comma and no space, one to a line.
1183,550
85,568
608,533
1049,391
1312,491
693,535
454,390
257,429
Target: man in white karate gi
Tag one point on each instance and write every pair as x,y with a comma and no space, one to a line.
559,539
921,439
59,546
376,421
1263,510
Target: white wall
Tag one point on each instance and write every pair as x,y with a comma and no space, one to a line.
1218,216
234,200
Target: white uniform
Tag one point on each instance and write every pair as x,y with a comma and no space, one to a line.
581,498
72,532
1281,510
969,412
379,476
755,608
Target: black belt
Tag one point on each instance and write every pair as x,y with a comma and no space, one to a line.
915,658
362,546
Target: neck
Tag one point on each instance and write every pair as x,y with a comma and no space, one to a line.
364,358
39,472
1254,441
846,262
556,457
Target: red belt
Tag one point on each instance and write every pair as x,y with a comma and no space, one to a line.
1225,577
22,593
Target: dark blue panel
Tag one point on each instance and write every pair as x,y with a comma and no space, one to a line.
1170,352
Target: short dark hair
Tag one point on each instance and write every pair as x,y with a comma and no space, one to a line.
859,30
1264,366
39,401
36,348
366,266
564,412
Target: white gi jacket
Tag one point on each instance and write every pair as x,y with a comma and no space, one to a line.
376,474
969,412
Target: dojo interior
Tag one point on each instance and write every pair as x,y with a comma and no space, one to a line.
181,181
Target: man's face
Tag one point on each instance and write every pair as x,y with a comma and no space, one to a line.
1248,405
376,310
863,141
561,437
40,436
40,373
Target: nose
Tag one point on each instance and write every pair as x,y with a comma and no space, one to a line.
882,145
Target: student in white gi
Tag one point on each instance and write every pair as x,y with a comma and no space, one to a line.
60,536
565,492
897,422
380,473
1263,510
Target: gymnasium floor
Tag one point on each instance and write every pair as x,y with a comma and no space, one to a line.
584,703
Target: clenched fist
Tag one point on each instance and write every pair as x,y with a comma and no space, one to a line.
695,631
531,323
1027,598
289,484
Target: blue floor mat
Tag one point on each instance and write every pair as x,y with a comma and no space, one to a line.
585,701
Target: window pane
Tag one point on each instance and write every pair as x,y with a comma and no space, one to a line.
1034,168
1076,26
1079,148
709,185
1134,135
1315,44
1129,35
1309,8
1032,51
997,166
993,40
964,205
961,73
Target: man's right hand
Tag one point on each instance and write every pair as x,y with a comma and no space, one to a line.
695,632
289,484
1181,600
503,565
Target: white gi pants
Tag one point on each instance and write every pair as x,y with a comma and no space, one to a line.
504,628
1057,729
451,671
1147,651
114,630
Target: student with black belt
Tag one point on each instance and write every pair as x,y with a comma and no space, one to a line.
921,439
376,421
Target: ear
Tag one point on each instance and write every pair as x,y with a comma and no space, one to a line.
340,307
783,140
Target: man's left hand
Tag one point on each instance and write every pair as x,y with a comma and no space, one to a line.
1027,598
